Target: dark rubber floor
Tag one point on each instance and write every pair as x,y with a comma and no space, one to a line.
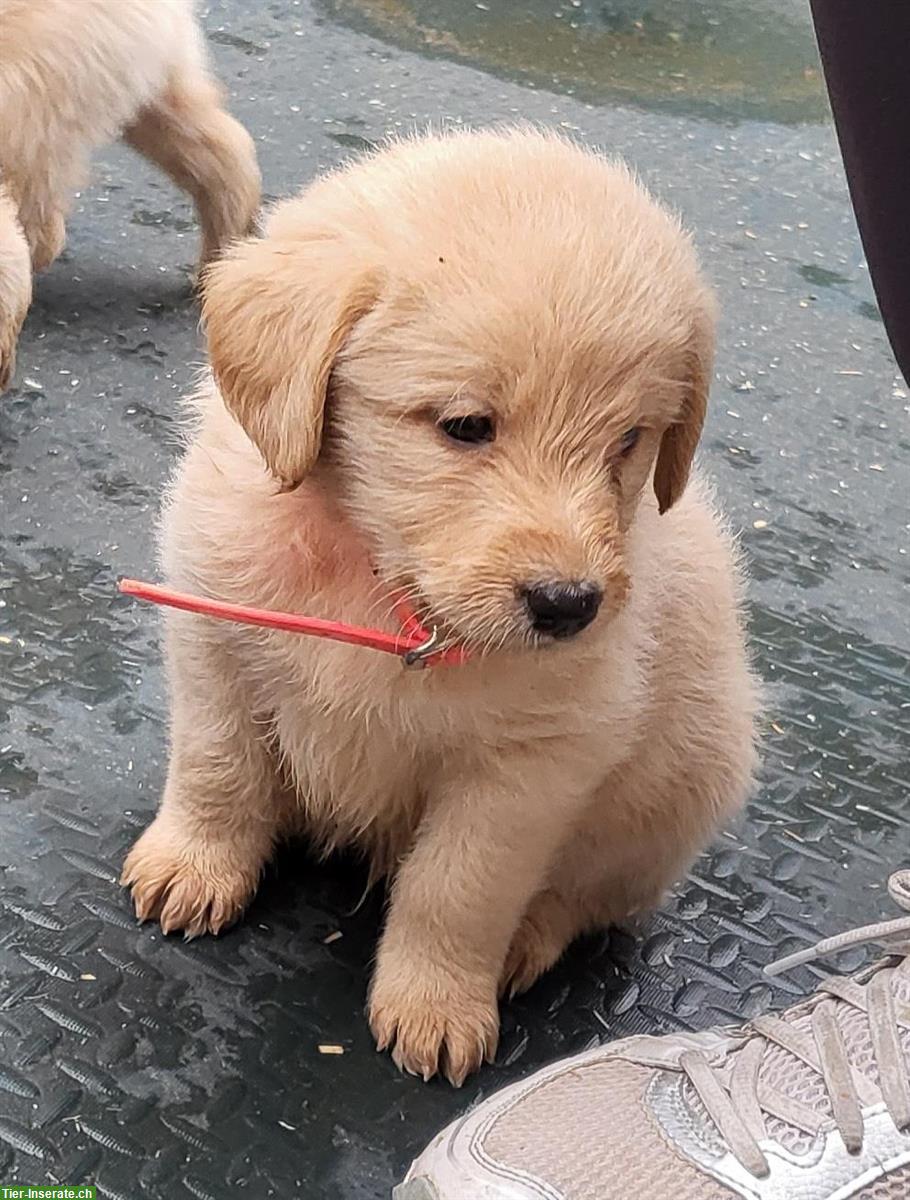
163,1070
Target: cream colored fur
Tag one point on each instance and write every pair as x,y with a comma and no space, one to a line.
15,283
542,789
75,74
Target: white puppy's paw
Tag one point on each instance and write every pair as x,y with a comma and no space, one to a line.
7,352
47,242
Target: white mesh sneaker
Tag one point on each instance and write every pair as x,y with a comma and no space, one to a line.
813,1104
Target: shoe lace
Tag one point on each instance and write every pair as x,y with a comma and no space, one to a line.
738,1100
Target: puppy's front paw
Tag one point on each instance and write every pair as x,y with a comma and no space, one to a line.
201,887
434,1021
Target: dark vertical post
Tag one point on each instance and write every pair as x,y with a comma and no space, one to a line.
865,51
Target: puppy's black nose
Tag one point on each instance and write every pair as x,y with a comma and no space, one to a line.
562,609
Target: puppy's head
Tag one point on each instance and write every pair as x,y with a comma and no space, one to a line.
488,344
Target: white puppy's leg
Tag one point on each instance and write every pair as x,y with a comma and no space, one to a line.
198,864
187,133
46,234
15,284
41,197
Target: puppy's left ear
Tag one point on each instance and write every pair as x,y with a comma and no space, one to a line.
677,446
276,314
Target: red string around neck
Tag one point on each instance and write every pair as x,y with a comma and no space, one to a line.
413,643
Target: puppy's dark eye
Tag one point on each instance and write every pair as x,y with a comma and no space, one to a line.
468,429
629,441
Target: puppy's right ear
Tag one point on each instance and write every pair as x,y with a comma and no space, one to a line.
276,314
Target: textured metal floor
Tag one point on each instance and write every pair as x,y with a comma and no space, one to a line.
163,1070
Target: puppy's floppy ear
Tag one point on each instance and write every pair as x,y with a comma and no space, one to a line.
677,446
276,314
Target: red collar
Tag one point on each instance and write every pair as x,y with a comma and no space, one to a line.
414,643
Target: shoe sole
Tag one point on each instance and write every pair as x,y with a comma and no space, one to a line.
417,1189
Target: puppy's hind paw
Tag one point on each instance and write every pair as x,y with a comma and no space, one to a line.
538,943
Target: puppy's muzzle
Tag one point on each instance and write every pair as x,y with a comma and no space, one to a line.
561,610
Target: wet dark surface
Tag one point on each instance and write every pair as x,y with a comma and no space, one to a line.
158,1069
718,58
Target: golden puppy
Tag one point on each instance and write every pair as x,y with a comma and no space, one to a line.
75,74
454,367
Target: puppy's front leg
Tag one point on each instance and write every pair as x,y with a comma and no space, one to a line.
15,283
197,865
480,854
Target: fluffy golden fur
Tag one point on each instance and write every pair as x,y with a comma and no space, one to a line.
75,74
544,788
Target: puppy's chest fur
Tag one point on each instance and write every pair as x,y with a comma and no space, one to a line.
363,742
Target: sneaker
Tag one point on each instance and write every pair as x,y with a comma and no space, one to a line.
813,1104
